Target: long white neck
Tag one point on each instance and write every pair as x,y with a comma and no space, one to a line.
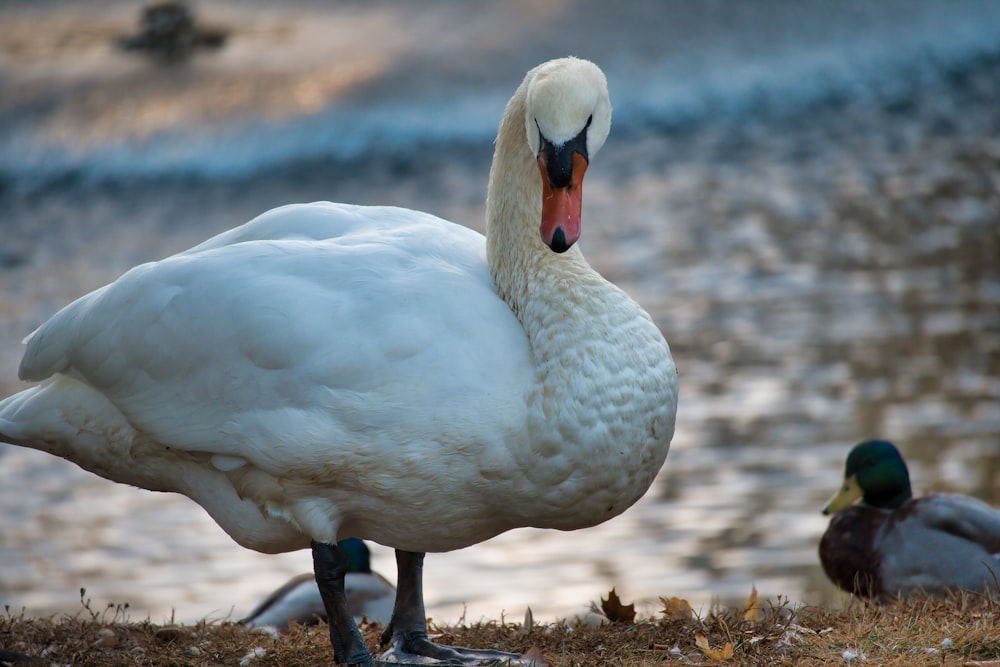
528,275
606,387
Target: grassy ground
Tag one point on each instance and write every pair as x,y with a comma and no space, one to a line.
963,631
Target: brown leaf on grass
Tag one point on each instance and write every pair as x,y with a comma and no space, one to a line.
751,610
677,609
533,658
528,625
170,633
616,611
106,637
981,663
724,653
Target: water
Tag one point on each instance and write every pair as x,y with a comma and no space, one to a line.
806,200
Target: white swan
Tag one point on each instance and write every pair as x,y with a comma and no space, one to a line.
327,371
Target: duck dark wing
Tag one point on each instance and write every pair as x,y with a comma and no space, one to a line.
962,516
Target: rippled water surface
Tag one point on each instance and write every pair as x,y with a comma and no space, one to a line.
808,203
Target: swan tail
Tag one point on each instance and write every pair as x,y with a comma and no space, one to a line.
70,419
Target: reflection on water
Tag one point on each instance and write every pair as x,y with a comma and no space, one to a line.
823,276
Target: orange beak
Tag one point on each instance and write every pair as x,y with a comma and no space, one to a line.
560,227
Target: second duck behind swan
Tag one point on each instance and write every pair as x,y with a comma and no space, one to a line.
369,595
327,371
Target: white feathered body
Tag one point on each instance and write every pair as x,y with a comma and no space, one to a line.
332,370
327,371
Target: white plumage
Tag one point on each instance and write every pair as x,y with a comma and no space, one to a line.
328,370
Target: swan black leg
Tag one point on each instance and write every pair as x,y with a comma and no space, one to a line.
330,566
407,631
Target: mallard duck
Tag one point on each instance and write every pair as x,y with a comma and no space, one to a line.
328,371
893,545
369,595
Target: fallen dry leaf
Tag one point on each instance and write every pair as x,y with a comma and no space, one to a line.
724,653
677,608
170,633
528,625
533,657
981,663
107,637
616,611
751,610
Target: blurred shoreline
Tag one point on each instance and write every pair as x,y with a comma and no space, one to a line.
307,81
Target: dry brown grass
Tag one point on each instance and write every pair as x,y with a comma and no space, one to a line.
964,631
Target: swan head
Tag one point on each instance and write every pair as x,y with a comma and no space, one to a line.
567,118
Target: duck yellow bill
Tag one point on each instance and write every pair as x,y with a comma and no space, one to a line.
848,494
561,206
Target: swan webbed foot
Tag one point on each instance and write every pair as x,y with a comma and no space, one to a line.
330,564
406,633
410,649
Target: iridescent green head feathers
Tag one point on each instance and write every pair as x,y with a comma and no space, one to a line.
358,557
876,473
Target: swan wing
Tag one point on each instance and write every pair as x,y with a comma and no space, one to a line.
302,341
326,220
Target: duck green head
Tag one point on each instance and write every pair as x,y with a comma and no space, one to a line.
876,473
358,556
